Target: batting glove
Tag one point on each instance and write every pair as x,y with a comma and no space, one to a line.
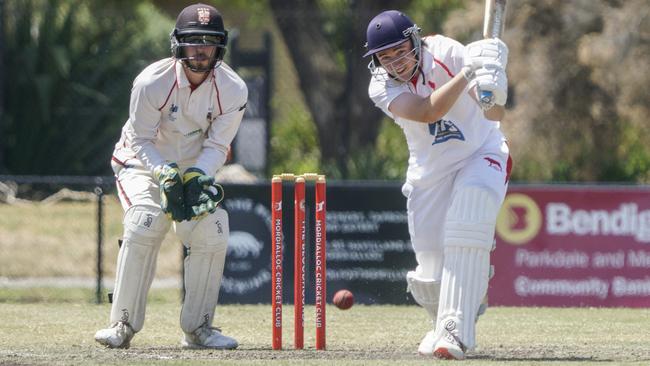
491,50
491,77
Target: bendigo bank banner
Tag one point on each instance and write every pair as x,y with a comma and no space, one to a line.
573,246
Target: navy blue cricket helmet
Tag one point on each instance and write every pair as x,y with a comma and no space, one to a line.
388,29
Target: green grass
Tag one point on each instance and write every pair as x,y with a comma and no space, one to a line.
61,333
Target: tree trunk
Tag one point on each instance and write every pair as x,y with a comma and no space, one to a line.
346,120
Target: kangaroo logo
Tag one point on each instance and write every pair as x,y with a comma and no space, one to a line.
277,206
320,206
494,164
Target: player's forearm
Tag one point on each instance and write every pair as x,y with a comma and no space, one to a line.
441,100
496,113
211,159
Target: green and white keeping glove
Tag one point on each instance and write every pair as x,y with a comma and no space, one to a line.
202,194
171,191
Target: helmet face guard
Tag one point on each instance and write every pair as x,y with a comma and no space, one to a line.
194,49
199,35
390,29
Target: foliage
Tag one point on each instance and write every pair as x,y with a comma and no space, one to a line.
293,143
579,107
70,65
346,120
431,15
386,160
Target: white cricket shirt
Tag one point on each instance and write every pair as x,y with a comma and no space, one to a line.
438,147
170,122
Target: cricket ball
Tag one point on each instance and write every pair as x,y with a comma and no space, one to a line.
343,299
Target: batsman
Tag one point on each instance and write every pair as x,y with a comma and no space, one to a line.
448,99
185,111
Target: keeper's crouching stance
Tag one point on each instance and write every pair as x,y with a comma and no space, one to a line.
184,113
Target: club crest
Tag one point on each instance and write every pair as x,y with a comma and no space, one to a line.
444,130
204,15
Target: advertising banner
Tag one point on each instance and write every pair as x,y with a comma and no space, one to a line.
573,246
555,245
368,245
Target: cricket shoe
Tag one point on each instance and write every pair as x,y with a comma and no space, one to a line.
428,343
208,337
449,347
118,335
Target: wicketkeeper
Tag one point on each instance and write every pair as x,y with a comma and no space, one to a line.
458,165
184,112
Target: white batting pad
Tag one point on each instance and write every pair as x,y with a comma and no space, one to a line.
464,284
468,240
203,270
425,292
471,219
144,230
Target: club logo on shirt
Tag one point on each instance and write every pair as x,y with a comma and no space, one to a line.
210,117
443,130
173,109
192,133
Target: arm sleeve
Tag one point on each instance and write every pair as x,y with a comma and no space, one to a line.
447,51
382,94
455,56
144,120
220,135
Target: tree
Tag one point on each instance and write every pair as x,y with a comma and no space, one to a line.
69,66
326,47
580,101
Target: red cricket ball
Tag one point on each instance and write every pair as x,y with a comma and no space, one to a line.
343,299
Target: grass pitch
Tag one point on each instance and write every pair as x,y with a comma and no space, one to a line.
52,332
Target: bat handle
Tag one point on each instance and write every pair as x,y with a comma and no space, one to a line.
486,98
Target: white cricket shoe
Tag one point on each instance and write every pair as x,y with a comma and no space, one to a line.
428,342
208,337
449,347
118,335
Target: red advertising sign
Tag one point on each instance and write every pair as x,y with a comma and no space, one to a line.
573,246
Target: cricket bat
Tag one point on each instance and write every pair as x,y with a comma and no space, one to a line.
493,25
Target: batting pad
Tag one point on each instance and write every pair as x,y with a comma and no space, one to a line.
203,270
425,292
144,230
468,240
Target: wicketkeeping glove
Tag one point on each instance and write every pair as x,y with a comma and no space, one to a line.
202,194
171,191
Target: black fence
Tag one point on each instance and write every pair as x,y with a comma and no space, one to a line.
368,246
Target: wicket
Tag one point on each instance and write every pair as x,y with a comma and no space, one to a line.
320,279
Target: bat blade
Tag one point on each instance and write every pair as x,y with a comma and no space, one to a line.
495,18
